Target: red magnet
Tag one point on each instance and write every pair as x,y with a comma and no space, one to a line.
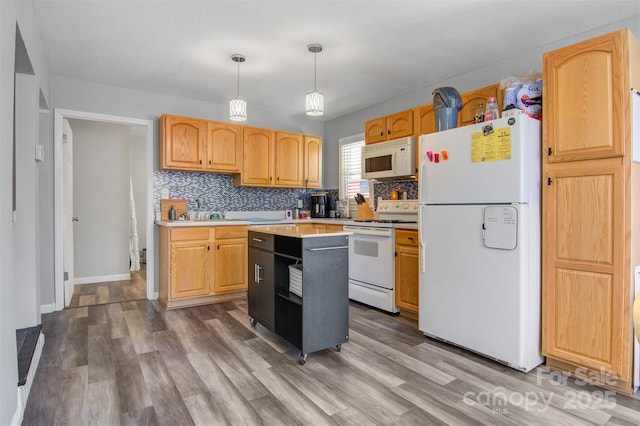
430,155
436,157
445,154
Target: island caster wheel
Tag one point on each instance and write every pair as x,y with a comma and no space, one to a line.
253,322
338,348
302,359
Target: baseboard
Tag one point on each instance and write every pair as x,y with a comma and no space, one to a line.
23,391
47,309
102,279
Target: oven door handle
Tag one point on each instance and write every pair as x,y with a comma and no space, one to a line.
328,248
368,231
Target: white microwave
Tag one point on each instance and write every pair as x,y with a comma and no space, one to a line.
388,160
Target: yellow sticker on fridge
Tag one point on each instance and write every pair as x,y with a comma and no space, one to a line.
495,146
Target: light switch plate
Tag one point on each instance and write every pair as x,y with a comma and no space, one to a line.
39,153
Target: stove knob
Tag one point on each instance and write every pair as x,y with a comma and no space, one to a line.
406,206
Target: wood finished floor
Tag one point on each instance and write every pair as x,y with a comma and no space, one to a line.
133,363
111,292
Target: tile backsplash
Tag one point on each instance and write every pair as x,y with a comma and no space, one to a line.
216,192
383,189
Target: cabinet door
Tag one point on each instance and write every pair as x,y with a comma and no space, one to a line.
375,130
258,152
400,124
585,307
425,124
261,290
190,269
407,270
585,98
289,159
312,161
471,100
224,147
230,265
183,143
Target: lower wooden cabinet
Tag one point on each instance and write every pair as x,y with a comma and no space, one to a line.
407,272
197,268
230,259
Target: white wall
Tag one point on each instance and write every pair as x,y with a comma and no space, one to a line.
12,13
523,63
45,211
101,166
25,233
139,181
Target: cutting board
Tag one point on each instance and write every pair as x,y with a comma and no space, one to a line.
179,204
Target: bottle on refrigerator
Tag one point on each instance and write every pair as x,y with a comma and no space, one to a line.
478,116
491,112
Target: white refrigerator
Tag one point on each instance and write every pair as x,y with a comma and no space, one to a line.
479,230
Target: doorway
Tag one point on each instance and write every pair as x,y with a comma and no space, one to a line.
64,286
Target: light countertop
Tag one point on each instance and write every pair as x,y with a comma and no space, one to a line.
292,230
263,223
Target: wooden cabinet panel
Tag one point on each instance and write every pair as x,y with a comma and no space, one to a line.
230,265
407,276
224,147
289,159
586,99
259,156
182,143
585,298
390,127
375,130
400,124
190,264
312,161
471,100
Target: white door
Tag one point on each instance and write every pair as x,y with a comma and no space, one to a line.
371,256
69,219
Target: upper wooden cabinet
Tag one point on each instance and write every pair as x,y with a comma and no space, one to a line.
182,143
471,100
590,214
289,159
312,161
258,157
224,147
192,144
586,91
390,127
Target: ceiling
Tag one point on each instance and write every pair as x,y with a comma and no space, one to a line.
373,50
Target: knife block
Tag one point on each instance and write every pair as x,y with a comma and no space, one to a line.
364,212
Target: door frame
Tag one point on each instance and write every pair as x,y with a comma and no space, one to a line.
59,116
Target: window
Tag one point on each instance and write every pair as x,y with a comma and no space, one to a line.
350,155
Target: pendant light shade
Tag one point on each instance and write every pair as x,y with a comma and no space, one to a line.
237,106
314,100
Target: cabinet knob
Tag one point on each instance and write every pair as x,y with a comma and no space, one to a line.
209,161
389,131
381,133
200,161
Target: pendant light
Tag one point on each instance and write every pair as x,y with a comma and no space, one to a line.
237,106
315,99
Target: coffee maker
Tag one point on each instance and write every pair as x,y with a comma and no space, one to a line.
320,204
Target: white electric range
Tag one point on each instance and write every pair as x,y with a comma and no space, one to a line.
372,253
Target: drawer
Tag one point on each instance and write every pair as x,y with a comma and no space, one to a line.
406,237
190,234
231,232
261,241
